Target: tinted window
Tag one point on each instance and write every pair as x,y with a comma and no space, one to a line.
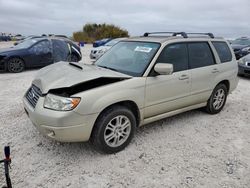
200,55
60,50
223,51
175,54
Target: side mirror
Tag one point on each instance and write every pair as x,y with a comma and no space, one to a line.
164,68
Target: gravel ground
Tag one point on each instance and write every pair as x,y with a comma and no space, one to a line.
192,149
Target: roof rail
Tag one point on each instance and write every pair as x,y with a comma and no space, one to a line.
183,34
211,35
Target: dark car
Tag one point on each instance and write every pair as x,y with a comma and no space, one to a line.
241,47
101,42
38,52
244,66
5,38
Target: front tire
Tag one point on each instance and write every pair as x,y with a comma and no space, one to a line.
15,65
114,129
217,100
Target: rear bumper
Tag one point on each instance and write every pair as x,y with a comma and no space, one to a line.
61,126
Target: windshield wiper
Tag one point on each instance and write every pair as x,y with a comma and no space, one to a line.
108,68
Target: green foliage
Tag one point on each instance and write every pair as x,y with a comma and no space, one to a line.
93,31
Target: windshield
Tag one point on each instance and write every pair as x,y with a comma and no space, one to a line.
27,43
129,57
241,41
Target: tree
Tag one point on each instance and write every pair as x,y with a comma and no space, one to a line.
93,31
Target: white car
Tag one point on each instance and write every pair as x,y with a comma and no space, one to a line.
138,81
96,53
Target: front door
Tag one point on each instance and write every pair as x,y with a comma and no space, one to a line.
165,93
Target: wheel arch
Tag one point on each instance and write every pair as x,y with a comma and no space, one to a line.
131,105
226,83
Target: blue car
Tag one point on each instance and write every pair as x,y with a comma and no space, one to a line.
101,42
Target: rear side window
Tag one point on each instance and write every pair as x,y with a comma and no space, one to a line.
200,55
223,51
175,54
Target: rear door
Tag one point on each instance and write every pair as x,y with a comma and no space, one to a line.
203,70
166,93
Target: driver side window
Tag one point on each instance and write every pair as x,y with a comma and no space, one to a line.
176,54
42,47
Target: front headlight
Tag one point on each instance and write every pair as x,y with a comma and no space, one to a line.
242,61
59,103
100,51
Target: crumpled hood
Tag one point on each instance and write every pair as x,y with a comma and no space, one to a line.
64,74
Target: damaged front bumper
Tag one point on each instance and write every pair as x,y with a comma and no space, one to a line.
67,126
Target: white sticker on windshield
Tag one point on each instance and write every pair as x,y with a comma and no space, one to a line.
143,49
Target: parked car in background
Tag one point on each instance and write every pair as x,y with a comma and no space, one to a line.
97,52
101,42
19,37
241,47
5,38
244,66
138,81
38,52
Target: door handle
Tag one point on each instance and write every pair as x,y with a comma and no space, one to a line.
184,77
215,70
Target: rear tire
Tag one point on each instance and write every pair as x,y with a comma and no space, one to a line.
217,99
114,129
15,65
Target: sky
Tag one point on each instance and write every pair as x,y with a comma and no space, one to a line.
226,18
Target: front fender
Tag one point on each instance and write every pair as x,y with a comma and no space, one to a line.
96,100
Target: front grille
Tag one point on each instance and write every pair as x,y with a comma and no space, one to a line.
33,95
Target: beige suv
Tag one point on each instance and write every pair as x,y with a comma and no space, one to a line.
138,81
